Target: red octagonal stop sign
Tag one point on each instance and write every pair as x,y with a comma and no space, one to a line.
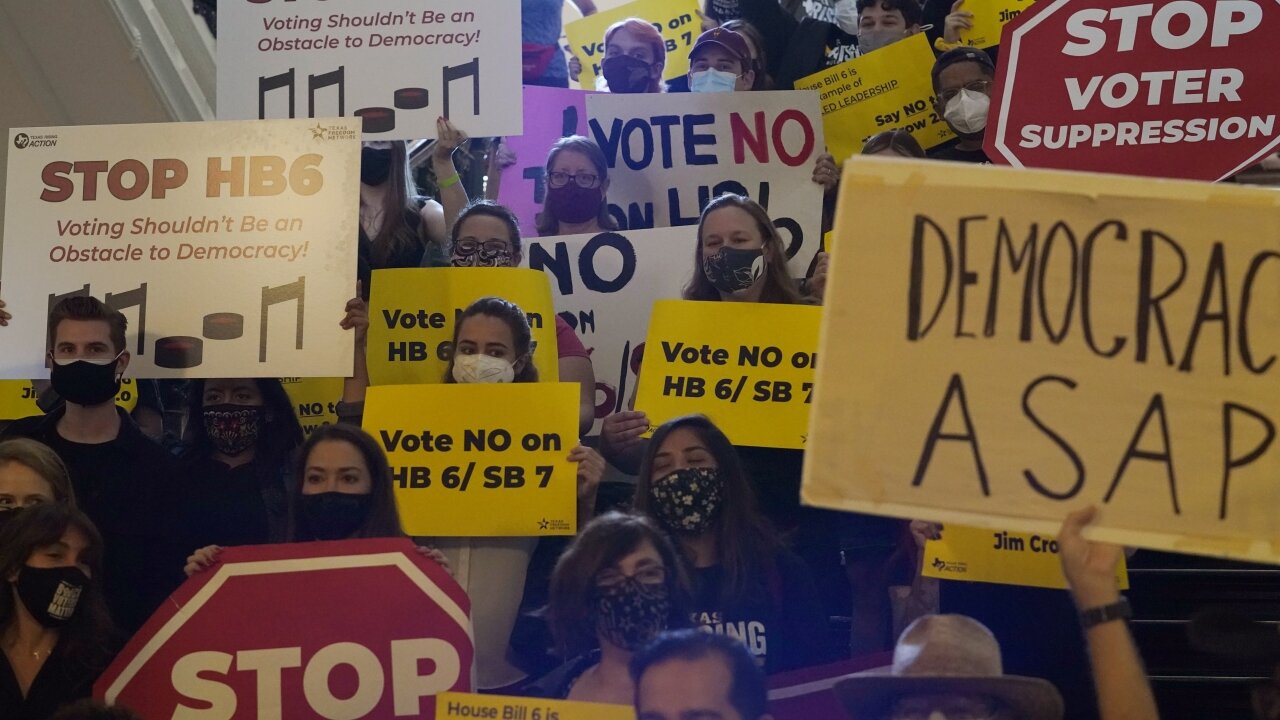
350,629
1172,88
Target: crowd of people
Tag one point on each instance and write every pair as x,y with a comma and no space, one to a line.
690,579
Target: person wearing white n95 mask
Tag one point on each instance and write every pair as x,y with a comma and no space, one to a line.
962,80
492,344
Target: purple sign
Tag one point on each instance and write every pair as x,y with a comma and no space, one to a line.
549,114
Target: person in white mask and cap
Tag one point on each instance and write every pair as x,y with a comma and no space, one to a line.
962,80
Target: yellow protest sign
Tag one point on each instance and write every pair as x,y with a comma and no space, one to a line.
997,556
889,89
989,19
1001,346
748,366
18,398
412,313
315,400
460,706
677,20
480,459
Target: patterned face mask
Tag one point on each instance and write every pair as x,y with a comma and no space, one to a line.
732,269
688,501
631,613
232,428
472,253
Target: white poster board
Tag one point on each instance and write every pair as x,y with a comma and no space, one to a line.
230,247
396,64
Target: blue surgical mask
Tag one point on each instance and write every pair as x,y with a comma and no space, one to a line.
712,80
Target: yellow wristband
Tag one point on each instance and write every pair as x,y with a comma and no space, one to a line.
449,181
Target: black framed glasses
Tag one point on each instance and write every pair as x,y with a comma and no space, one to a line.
584,180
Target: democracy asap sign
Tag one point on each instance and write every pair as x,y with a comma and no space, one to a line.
229,246
1181,89
348,629
669,155
397,65
1000,347
604,286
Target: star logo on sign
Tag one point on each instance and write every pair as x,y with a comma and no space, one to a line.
317,132
544,524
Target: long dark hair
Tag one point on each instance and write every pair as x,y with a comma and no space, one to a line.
899,141
549,225
598,546
400,201
85,640
745,541
514,317
281,433
778,285
383,520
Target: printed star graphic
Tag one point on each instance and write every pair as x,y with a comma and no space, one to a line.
317,132
543,524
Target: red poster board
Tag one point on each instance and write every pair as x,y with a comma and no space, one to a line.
355,628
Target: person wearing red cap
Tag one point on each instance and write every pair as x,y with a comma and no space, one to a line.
720,61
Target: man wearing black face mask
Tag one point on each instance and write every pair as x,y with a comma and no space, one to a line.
122,480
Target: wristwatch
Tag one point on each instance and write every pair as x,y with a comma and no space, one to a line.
1094,616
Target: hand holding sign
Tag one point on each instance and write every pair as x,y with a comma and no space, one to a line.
1090,567
957,21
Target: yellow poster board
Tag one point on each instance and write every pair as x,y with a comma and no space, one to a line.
480,459
1003,346
889,89
465,706
412,313
997,556
677,19
989,19
747,366
315,400
18,398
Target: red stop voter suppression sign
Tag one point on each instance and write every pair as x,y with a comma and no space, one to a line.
1172,88
349,629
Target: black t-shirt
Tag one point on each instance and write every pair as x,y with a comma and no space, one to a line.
781,621
128,488
222,505
952,152
59,682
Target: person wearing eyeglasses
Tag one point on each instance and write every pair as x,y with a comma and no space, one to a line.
122,480
962,81
613,591
577,181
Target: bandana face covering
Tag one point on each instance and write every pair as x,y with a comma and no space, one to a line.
732,270
632,613
231,428
688,501
475,254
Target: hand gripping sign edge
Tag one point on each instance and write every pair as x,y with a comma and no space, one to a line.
187,600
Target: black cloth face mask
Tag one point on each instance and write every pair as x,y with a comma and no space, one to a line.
632,613
85,382
334,515
51,594
375,165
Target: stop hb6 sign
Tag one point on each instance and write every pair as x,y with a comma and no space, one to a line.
349,629
1179,89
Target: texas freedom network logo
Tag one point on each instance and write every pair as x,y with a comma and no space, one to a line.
332,132
22,141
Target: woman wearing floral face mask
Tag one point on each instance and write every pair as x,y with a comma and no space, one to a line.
235,476
54,630
691,482
617,586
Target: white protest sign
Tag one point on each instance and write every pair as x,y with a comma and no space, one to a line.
669,155
396,64
604,286
228,246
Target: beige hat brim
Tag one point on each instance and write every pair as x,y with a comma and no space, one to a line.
870,696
